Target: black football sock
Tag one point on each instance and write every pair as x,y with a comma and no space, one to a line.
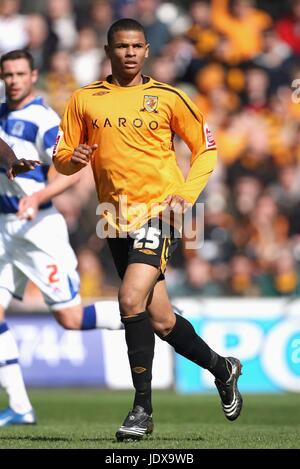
140,343
188,344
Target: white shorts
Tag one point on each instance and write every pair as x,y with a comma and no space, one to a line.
38,250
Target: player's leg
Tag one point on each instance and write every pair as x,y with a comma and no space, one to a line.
181,335
12,282
51,265
98,315
11,380
138,282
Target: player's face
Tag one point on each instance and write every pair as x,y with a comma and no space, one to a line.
19,80
127,53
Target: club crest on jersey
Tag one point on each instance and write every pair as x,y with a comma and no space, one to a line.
150,103
18,129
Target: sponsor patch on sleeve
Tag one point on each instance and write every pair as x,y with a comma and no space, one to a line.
57,142
209,139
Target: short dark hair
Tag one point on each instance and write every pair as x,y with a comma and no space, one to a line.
124,24
18,54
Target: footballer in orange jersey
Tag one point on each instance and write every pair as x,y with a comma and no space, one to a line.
124,127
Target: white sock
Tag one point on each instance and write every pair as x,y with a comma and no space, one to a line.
108,315
11,378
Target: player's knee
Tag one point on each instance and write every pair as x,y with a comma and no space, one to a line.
130,303
67,321
163,327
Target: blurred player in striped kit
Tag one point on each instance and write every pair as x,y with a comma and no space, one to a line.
34,240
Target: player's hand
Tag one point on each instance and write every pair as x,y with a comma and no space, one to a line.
21,166
28,207
177,204
82,154
176,208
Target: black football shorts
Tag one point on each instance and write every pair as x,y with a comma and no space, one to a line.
152,244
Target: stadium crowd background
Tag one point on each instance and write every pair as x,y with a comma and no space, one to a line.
237,60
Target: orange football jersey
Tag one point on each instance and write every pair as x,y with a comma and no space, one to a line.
135,162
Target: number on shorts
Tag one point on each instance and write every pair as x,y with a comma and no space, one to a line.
151,238
52,276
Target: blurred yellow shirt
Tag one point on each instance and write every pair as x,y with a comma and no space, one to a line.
245,34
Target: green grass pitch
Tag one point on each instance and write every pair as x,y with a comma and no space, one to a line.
89,418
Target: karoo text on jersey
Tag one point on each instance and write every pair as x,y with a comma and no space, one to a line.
123,122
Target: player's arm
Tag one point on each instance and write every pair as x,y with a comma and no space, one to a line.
29,205
71,152
188,123
11,163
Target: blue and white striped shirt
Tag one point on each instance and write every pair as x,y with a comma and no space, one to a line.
31,132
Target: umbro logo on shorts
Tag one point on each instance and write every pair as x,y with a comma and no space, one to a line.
148,251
